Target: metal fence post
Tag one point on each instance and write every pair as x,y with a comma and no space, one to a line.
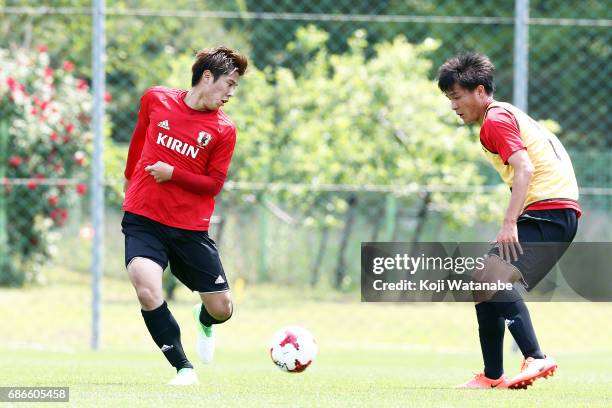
263,237
521,54
97,180
3,162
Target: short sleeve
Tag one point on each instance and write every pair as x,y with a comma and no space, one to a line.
500,134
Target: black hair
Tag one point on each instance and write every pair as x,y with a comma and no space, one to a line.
468,70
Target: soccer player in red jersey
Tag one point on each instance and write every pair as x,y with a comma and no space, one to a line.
177,163
543,208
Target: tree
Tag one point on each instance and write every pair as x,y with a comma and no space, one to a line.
568,79
348,119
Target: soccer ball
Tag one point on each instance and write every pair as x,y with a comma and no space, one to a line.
293,349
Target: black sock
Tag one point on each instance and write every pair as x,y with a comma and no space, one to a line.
491,331
167,335
207,320
520,326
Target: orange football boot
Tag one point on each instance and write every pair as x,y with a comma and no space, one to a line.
531,370
480,381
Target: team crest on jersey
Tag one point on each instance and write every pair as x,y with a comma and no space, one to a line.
204,138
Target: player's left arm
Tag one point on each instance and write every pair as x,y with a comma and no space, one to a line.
200,184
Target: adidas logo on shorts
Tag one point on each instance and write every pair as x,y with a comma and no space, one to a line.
220,280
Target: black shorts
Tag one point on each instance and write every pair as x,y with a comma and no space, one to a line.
192,255
544,235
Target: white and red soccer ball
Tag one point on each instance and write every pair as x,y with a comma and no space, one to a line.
293,349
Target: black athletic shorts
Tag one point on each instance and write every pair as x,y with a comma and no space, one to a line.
544,235
192,255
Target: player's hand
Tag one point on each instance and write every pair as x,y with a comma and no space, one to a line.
508,243
126,183
160,171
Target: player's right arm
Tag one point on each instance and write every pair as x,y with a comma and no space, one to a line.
507,236
500,134
138,139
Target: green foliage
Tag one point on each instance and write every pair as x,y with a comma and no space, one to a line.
348,119
568,83
45,130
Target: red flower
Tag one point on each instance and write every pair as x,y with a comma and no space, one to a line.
48,72
82,85
11,83
59,215
66,139
32,184
108,97
81,189
53,200
15,161
70,127
54,136
42,48
68,66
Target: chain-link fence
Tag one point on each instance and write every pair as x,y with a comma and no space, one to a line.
313,64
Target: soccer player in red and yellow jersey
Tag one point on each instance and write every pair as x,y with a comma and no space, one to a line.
543,208
178,160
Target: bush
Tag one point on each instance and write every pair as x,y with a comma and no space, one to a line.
44,138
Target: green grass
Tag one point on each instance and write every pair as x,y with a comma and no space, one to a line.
370,354
340,377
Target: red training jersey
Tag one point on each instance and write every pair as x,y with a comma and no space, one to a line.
500,135
199,144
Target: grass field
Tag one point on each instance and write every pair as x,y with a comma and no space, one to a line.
370,354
